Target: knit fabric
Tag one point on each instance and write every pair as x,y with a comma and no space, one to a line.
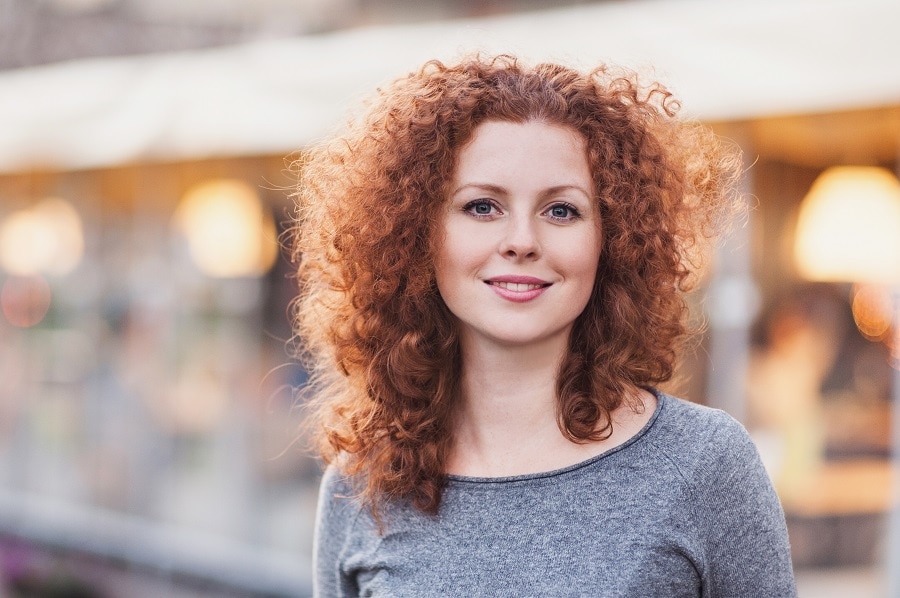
683,508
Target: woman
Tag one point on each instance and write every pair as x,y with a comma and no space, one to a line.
492,264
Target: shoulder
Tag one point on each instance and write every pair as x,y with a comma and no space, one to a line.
334,479
338,510
699,423
742,535
700,420
702,440
339,501
717,462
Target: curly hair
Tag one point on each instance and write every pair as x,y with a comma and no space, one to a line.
381,345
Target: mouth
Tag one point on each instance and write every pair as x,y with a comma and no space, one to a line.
517,287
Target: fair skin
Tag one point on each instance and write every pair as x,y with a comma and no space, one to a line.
516,266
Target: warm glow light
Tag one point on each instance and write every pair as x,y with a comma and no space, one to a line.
848,228
229,232
46,238
872,311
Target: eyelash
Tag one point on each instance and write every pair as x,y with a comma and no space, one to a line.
470,207
574,214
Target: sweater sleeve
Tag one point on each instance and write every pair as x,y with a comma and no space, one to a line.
741,519
335,514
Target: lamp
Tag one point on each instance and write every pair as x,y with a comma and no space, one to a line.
848,230
229,232
47,238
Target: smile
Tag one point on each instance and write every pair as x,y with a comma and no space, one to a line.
517,287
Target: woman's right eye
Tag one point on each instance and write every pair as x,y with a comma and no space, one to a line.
480,207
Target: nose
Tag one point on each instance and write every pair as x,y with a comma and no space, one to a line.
520,239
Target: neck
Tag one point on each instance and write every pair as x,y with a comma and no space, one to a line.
505,422
507,408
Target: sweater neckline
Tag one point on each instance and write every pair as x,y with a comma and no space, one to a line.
661,399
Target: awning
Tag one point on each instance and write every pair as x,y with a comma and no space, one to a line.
725,60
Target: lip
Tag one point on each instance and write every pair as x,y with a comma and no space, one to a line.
518,289
518,279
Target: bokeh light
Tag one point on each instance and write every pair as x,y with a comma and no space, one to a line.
848,228
873,311
46,238
229,232
25,300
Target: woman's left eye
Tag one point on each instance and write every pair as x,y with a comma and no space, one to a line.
563,212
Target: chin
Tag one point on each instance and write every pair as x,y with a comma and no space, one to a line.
517,337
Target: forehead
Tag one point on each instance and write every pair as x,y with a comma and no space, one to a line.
530,148
496,132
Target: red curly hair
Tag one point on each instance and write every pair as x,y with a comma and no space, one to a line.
381,345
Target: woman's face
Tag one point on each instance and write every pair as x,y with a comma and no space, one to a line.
522,235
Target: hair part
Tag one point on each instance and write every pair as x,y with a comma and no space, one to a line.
382,347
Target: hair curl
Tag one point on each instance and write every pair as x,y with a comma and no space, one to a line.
381,345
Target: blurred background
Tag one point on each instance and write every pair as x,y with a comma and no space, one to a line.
149,430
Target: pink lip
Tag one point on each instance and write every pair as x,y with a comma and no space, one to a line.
516,295
517,279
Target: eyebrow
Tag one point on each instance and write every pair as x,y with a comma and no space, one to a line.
503,191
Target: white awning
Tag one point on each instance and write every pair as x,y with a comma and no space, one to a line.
725,60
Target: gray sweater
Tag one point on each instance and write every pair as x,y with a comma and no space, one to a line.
684,508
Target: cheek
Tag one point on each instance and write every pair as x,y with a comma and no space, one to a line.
441,273
446,267
583,251
585,267
459,251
